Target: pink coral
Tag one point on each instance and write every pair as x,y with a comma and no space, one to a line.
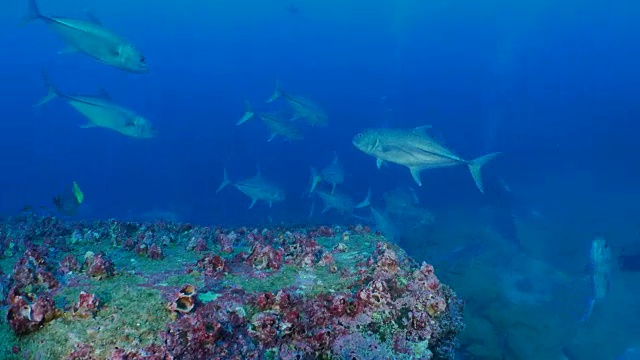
68,264
87,305
265,257
212,266
264,327
98,265
155,252
28,312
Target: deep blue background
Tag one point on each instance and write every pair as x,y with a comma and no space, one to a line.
553,85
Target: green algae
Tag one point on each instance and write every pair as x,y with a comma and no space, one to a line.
105,288
132,318
208,297
309,282
193,278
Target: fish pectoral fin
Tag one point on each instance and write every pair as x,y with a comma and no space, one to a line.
415,172
67,50
88,125
253,203
273,136
93,18
379,163
376,146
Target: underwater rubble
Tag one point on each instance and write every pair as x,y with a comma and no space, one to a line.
162,290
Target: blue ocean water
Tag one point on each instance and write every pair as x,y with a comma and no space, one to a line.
552,85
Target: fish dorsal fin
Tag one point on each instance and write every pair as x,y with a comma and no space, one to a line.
422,129
104,94
93,18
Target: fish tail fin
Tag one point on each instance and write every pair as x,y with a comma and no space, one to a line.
315,179
248,113
53,92
276,91
366,202
313,207
77,193
587,315
225,181
34,12
475,166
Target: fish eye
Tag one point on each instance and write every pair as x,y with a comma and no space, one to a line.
360,135
142,59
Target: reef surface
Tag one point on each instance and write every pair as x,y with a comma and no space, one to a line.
162,290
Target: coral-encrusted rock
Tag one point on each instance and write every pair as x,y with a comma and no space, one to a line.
82,352
155,252
264,327
98,265
27,312
152,352
197,244
189,338
31,270
68,265
226,242
212,266
87,305
286,293
265,257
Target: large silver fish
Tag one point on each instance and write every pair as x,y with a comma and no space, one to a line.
256,188
101,111
303,108
415,149
600,272
332,174
341,202
277,126
91,38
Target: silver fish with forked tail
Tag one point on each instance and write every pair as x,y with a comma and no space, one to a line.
417,150
256,188
91,38
102,111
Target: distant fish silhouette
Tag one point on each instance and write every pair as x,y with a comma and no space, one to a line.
292,9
